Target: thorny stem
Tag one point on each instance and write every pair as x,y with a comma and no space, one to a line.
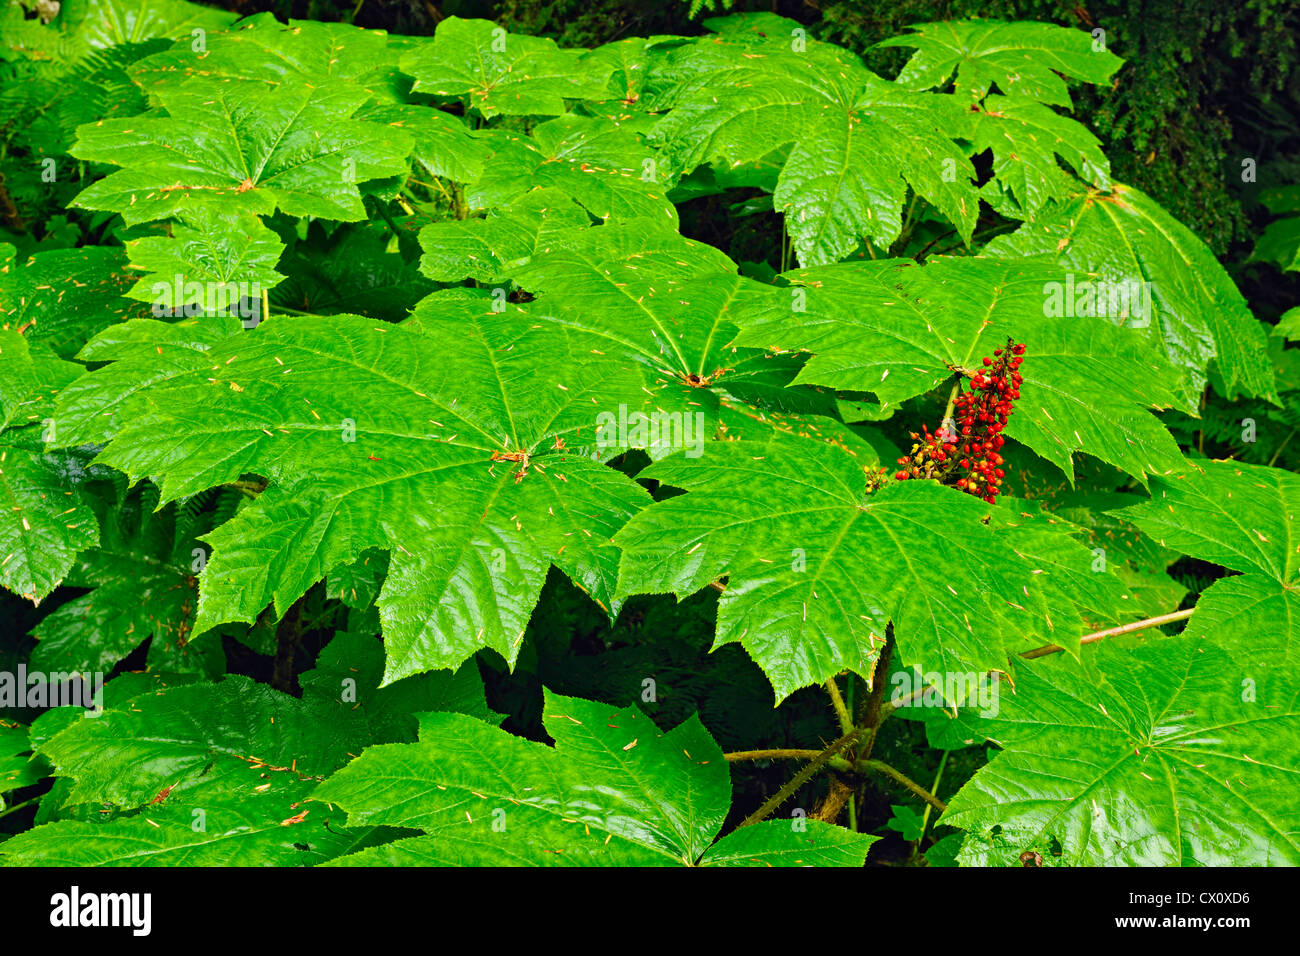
18,806
817,759
906,233
836,797
881,767
287,637
447,193
932,243
388,219
1113,632
875,713
934,788
1053,648
841,711
853,794
802,777
952,403
9,210
250,488
1285,441
1200,433
288,311
872,717
838,763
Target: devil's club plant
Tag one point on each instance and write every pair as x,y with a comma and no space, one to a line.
363,397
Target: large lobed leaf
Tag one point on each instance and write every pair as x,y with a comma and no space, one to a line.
497,72
898,329
1242,517
241,147
855,142
817,568
375,435
1197,314
614,791
1020,59
1171,753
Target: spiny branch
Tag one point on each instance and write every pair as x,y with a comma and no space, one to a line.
799,779
1095,636
879,766
1113,632
739,756
841,711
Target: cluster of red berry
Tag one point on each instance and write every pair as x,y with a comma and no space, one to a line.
966,455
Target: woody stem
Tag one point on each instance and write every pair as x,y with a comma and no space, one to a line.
1113,632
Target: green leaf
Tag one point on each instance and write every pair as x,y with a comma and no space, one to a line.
656,297
789,524
856,142
143,353
64,296
1139,562
944,852
1242,517
406,456
196,738
444,145
347,678
1026,138
497,72
602,165
238,832
906,821
18,768
1151,755
106,23
614,791
796,843
356,270
241,148
1197,314
44,522
30,379
357,583
1288,324
261,50
491,249
204,774
213,260
1021,59
1077,587
874,327
142,588
1280,244
628,64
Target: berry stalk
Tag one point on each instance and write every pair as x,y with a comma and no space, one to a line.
967,453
